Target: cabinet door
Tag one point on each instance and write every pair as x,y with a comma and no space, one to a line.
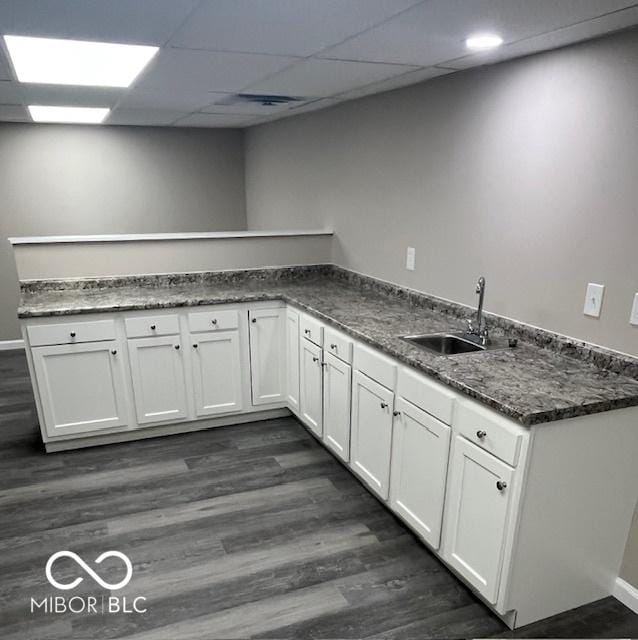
157,371
292,360
310,397
337,392
420,448
267,355
371,432
81,387
216,372
477,513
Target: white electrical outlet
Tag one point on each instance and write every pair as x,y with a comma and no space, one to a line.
410,258
594,300
633,318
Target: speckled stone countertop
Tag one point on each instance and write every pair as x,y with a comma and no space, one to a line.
530,384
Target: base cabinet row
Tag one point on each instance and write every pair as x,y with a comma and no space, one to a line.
508,508
406,455
193,372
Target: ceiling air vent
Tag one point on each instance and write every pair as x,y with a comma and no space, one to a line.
261,99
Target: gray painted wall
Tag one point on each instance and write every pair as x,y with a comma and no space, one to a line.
525,172
60,180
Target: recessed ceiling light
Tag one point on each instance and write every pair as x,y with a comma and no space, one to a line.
483,41
75,62
83,115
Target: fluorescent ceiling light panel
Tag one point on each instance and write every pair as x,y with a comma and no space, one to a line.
483,41
83,115
75,62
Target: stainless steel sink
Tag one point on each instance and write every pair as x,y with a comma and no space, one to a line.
445,343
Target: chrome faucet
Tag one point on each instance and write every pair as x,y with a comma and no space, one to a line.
478,326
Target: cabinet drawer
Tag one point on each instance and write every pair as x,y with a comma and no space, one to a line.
489,431
71,332
338,344
311,329
212,320
144,326
375,365
426,394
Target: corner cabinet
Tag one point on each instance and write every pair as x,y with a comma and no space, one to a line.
267,355
81,387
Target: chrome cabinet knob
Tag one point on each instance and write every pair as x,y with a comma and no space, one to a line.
307,331
333,346
214,320
195,346
114,351
315,359
501,485
72,334
384,405
177,347
153,327
396,414
481,434
254,320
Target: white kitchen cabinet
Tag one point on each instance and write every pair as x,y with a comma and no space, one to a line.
216,358
337,394
371,432
311,391
268,355
81,387
159,381
420,448
292,360
477,514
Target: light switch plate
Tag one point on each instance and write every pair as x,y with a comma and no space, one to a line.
410,258
633,318
594,299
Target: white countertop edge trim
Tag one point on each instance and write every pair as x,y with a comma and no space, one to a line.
142,237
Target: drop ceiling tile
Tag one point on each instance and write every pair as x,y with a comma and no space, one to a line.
177,70
130,21
47,94
560,37
13,113
144,117
323,78
434,31
4,66
10,93
411,77
214,120
285,27
169,100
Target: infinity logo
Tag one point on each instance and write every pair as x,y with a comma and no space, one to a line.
87,569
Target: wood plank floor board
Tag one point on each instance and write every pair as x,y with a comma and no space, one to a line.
249,530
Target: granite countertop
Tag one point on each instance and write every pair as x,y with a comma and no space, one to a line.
529,384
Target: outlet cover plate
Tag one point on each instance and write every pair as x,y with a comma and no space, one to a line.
594,300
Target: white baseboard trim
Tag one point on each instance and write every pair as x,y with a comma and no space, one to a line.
7,345
626,593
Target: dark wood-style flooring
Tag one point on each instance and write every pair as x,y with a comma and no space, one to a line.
242,531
